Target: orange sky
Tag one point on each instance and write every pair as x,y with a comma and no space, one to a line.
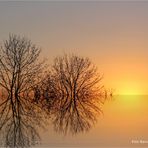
114,35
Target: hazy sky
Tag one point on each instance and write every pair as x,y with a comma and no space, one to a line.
114,35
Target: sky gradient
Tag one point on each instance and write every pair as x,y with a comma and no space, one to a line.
114,35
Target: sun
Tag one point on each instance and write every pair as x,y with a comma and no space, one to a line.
130,91
129,94
130,88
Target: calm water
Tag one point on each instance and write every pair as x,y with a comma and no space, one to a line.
124,124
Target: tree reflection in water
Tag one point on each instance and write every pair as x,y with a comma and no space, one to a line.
76,94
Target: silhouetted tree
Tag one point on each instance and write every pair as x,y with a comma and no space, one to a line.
20,72
74,94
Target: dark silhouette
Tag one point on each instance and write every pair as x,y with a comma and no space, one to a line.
37,94
20,73
70,94
75,94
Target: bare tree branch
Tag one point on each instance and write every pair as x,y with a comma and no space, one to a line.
74,94
20,71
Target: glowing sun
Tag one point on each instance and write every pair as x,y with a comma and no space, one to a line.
130,88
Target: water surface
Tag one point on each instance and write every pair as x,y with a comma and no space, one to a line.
123,124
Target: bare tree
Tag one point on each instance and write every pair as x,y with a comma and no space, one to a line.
74,94
20,72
